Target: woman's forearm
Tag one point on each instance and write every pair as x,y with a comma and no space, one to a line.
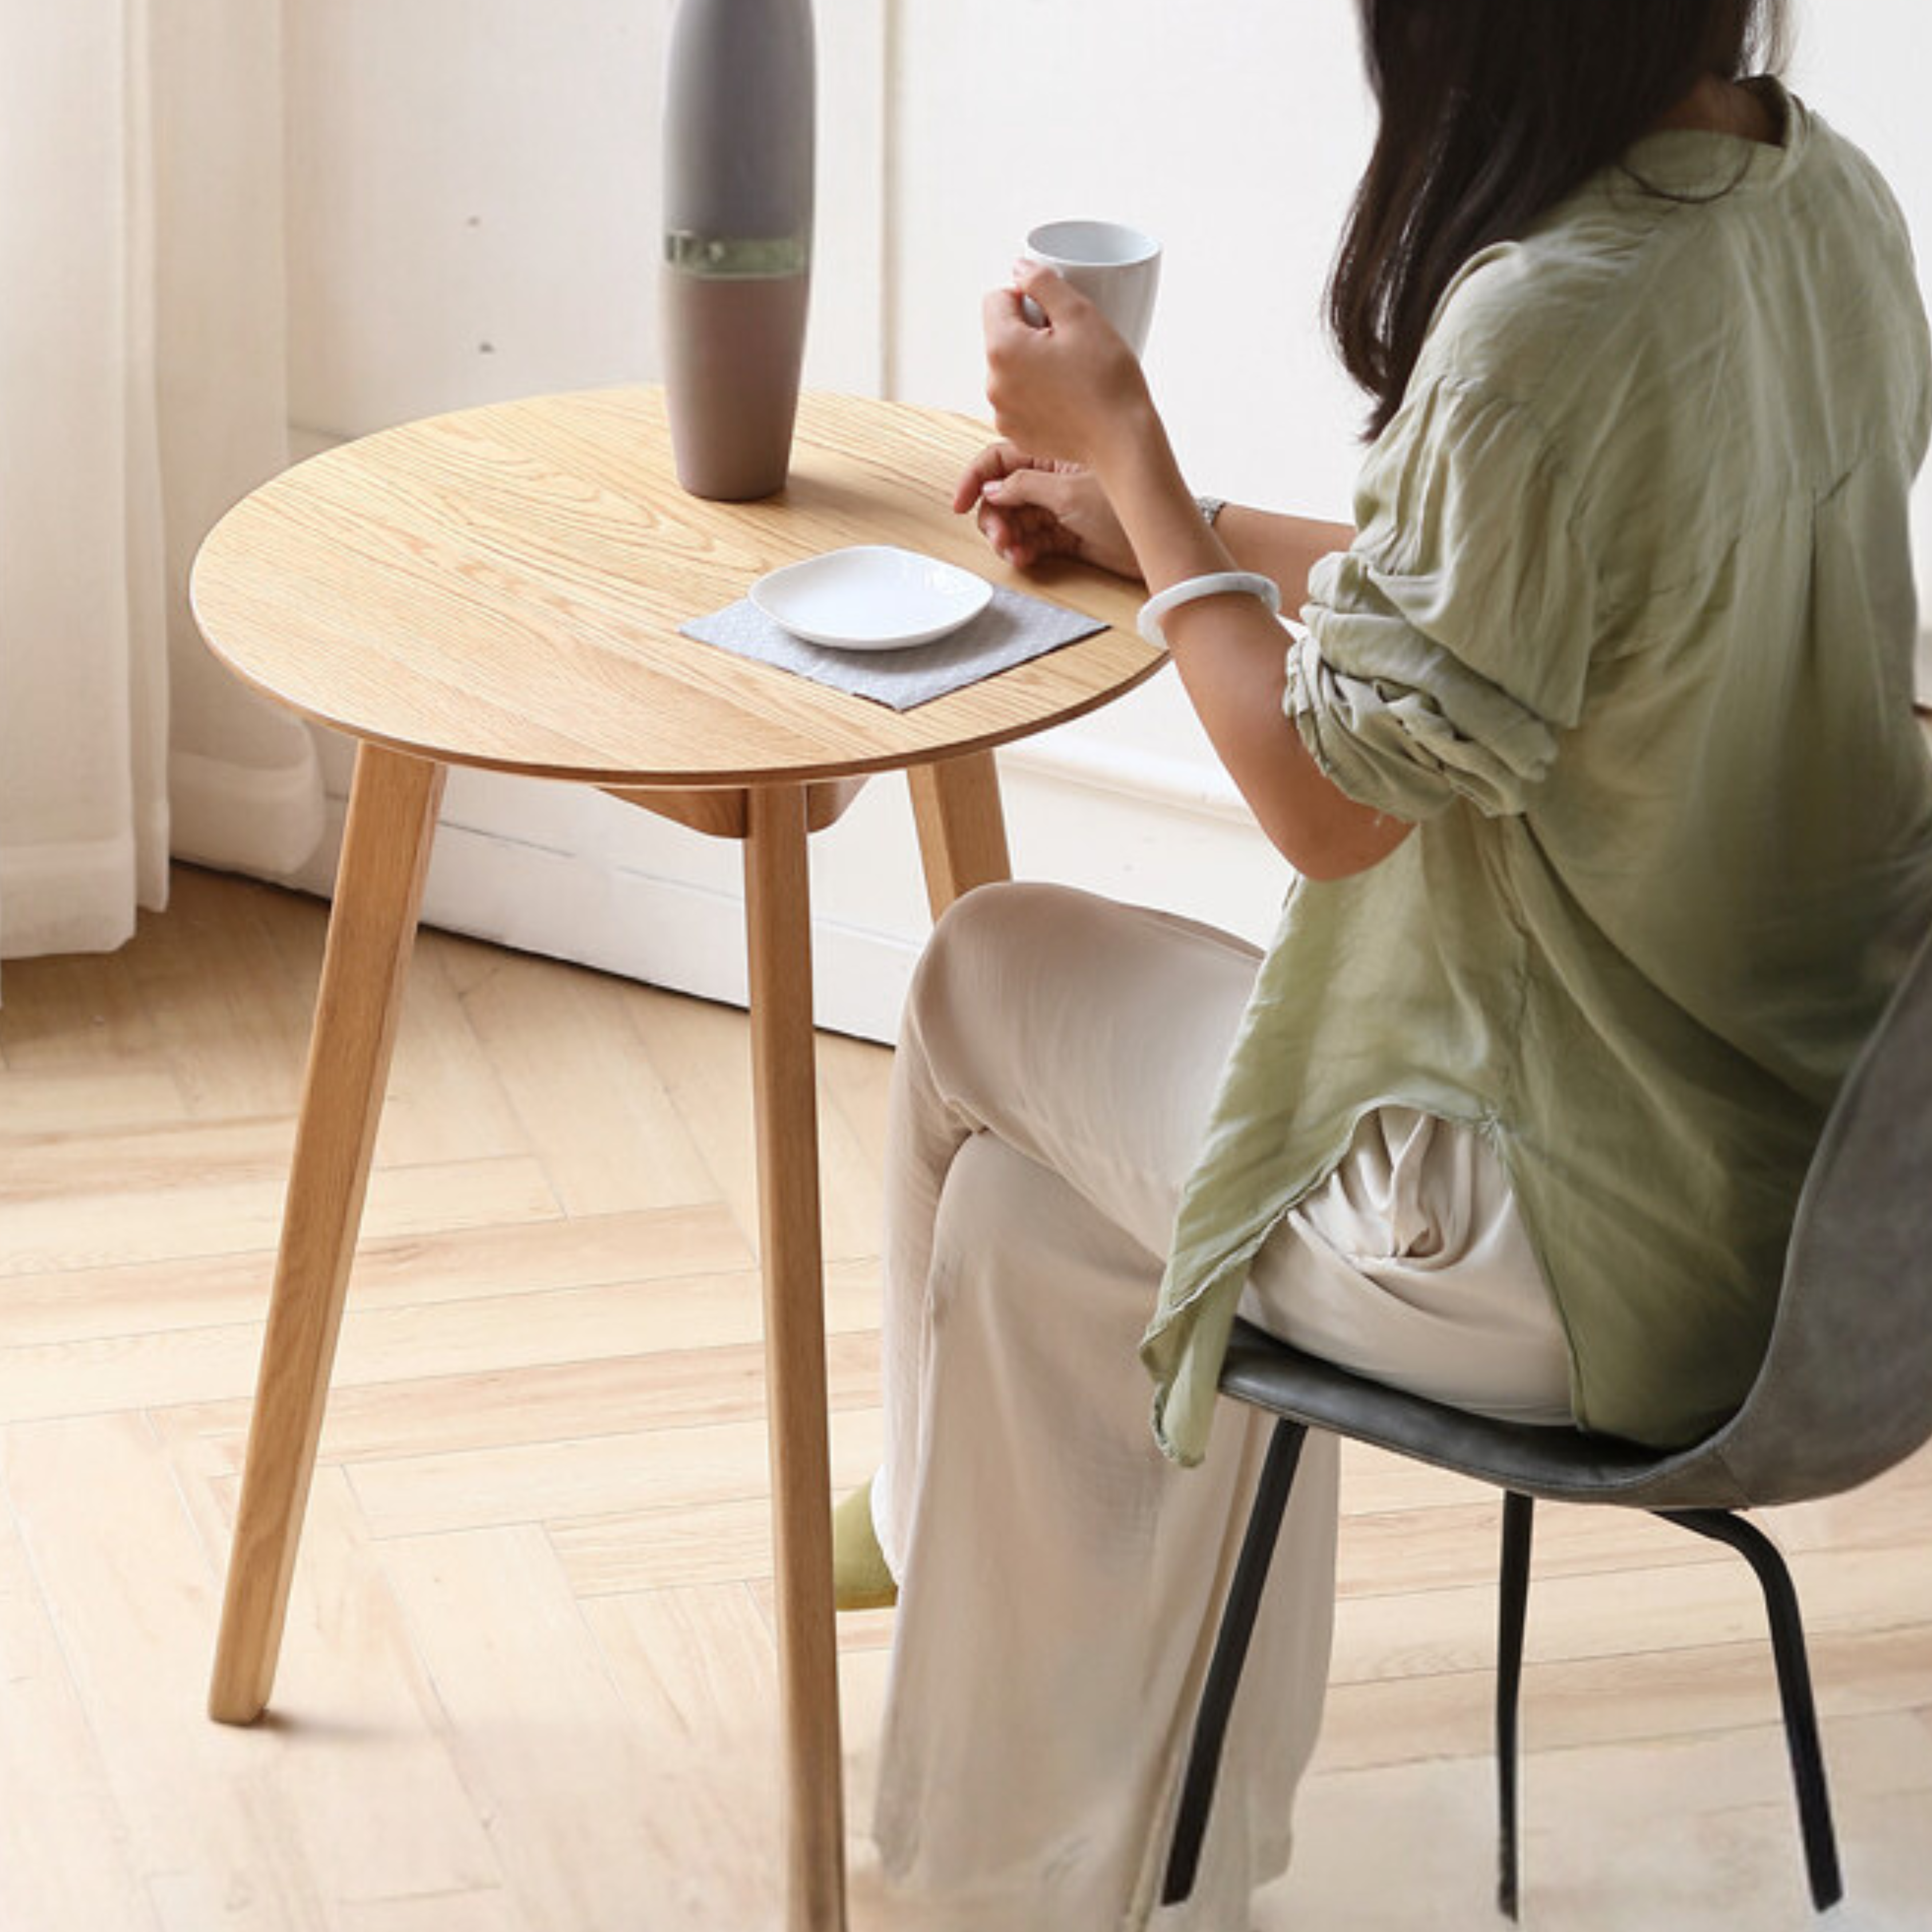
1285,548
1233,660
1232,656
1073,390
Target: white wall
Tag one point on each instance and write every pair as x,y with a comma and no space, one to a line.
1235,134
473,215
1861,64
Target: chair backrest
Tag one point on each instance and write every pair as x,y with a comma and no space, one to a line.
1846,1388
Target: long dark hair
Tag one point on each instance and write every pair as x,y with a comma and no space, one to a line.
1492,111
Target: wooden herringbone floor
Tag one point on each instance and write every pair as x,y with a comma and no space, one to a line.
529,1680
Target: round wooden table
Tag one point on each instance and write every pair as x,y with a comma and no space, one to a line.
502,587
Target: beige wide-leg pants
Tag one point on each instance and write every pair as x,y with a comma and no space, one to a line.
1059,1581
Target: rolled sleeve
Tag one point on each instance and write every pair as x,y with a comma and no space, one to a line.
1446,652
1396,722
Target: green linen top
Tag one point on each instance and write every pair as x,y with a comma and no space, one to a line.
1627,632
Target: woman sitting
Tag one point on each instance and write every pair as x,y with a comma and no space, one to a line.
1596,758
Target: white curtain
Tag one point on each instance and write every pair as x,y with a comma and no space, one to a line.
142,390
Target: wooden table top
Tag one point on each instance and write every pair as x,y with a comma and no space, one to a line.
503,587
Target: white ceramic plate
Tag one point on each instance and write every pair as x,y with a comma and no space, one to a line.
871,597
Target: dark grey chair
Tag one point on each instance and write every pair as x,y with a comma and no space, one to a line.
1844,1392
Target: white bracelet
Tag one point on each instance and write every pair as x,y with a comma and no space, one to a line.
1217,583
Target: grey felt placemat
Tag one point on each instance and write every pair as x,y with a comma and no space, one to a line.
1012,629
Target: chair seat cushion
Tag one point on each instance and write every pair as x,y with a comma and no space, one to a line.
1562,1463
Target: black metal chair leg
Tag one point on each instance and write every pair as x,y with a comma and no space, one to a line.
1230,1653
1518,1520
1794,1686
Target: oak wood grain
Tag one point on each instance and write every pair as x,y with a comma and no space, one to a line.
503,587
778,913
962,829
725,811
451,1758
384,856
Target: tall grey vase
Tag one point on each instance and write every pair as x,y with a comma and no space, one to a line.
739,126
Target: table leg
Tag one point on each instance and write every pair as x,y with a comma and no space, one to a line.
777,913
962,831
385,850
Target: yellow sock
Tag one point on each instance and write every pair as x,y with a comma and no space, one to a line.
860,1580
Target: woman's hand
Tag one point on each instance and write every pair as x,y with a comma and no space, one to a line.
1032,508
1071,390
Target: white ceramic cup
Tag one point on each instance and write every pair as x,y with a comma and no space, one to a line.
1117,268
